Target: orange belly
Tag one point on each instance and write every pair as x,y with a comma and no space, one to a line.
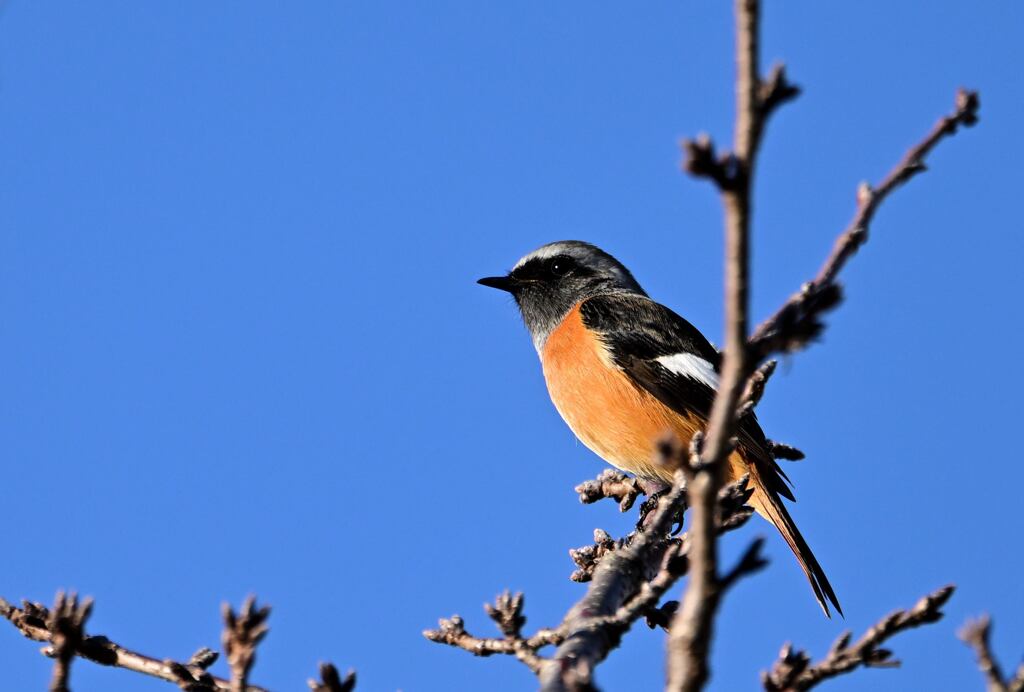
617,420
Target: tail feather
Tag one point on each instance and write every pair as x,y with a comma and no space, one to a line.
770,506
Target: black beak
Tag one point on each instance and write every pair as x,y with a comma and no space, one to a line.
502,283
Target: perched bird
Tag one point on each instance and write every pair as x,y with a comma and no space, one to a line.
623,371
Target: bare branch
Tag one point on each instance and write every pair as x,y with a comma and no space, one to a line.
691,632
507,613
629,576
701,161
975,634
798,321
331,681
612,484
750,562
31,620
243,631
775,91
627,584
795,323
587,557
66,624
203,658
784,451
732,513
793,671
192,677
754,389
689,635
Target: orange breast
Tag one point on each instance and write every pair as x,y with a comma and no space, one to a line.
620,422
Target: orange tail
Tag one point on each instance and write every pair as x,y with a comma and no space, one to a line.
770,506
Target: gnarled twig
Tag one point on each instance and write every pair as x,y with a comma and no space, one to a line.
507,613
975,634
611,484
31,620
66,624
793,670
243,631
331,681
691,632
63,629
628,582
798,321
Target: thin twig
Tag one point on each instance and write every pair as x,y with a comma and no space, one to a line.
243,631
733,512
792,326
690,632
617,578
612,484
754,389
66,624
975,634
588,557
798,321
692,627
783,451
628,576
331,681
627,583
793,671
507,614
193,676
31,621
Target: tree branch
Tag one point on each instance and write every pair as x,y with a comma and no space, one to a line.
792,326
692,626
629,576
66,624
611,484
331,681
627,579
507,613
754,389
31,621
243,631
975,634
798,321
588,557
733,512
628,582
793,671
63,629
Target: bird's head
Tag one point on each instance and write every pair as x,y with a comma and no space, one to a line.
548,282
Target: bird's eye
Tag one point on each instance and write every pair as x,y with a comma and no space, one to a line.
560,266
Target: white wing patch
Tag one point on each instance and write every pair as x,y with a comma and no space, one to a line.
691,365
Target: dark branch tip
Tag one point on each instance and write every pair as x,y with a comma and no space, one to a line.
967,104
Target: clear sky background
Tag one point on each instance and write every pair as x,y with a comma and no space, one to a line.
243,351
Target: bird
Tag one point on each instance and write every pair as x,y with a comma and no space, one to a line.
625,371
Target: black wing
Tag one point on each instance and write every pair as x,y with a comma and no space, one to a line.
637,331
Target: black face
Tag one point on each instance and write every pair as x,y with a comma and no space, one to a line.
552,270
546,289
539,274
556,277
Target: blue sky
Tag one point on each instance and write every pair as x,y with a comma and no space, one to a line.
243,351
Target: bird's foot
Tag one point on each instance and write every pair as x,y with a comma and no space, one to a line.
648,510
655,491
